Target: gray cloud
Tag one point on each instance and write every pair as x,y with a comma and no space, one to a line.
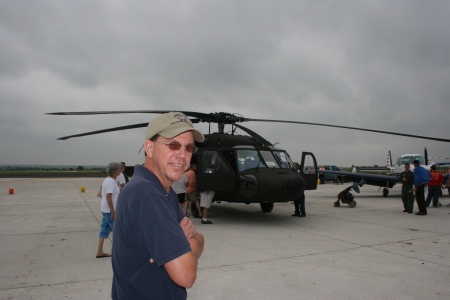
381,65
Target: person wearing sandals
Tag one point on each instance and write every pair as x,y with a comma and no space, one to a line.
110,193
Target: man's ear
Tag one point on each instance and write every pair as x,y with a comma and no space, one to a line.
148,147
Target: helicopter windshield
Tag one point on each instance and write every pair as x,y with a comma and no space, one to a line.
249,159
269,159
283,160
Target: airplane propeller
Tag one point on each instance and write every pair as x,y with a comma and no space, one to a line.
221,119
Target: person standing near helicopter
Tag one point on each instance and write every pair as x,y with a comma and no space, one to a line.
299,204
191,191
206,199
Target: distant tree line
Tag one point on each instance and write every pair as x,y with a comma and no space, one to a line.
47,168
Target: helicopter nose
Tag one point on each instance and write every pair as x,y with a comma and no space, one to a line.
294,184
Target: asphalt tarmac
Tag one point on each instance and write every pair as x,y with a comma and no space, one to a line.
49,236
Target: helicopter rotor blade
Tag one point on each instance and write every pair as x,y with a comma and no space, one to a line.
87,113
224,118
140,125
105,130
353,128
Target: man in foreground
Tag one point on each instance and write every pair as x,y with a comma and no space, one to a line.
155,246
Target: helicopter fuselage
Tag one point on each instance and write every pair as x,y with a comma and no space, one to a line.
239,169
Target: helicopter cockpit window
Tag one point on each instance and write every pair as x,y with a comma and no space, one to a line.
309,165
249,159
212,162
269,159
283,159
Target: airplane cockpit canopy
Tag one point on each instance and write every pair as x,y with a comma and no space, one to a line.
409,159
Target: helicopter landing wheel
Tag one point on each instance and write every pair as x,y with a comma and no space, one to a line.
385,192
266,206
352,204
337,203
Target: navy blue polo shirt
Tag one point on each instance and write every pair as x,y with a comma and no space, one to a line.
146,227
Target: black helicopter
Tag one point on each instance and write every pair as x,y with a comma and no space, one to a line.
247,168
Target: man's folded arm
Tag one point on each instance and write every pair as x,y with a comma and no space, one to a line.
183,269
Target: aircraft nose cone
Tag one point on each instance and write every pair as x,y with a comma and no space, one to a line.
294,184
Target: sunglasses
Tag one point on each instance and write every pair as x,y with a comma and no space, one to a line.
191,148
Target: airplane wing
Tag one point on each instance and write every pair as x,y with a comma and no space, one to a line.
371,179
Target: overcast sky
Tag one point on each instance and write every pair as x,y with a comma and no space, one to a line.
381,65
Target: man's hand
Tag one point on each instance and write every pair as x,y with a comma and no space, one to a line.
183,269
195,239
188,227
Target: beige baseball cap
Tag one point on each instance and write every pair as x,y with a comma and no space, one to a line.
171,124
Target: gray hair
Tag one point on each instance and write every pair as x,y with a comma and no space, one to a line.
113,168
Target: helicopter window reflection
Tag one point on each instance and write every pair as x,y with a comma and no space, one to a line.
212,162
269,159
283,159
309,165
249,159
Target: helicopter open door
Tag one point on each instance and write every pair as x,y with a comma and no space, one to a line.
214,172
308,170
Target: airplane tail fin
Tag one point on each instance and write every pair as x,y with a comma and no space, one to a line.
389,163
389,160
